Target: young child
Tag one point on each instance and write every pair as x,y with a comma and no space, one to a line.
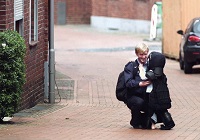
159,98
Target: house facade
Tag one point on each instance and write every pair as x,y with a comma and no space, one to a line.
30,19
72,11
125,15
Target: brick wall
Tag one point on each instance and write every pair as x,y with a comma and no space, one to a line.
2,15
6,14
130,9
77,11
35,55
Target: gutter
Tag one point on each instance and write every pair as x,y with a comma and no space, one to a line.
51,53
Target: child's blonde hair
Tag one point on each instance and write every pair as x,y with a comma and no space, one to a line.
141,47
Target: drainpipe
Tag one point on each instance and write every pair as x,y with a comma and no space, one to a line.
51,54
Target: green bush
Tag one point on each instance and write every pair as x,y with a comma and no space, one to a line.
12,71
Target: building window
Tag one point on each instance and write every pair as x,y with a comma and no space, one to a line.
19,26
33,33
18,16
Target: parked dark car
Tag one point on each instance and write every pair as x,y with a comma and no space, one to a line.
189,52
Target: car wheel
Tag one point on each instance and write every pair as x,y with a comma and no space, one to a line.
187,68
181,63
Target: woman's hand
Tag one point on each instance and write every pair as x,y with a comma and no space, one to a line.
144,83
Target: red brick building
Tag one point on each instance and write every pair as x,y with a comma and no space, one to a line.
73,11
23,16
127,15
127,9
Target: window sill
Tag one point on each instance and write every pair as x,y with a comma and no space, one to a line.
33,43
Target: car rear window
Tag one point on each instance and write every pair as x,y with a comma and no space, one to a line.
196,26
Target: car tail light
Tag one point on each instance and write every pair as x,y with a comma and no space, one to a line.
193,39
196,53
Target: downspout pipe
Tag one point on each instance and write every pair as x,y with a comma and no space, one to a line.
51,54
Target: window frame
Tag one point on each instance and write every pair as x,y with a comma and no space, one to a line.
19,16
33,24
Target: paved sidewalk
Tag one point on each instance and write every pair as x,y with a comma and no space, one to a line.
88,62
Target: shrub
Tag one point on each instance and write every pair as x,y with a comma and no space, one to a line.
12,71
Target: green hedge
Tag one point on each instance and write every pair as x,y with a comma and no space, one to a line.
12,71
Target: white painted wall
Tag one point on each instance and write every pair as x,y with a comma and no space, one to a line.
136,26
127,25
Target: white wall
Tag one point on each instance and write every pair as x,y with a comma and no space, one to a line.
136,26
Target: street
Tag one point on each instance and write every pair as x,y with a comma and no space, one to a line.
88,62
